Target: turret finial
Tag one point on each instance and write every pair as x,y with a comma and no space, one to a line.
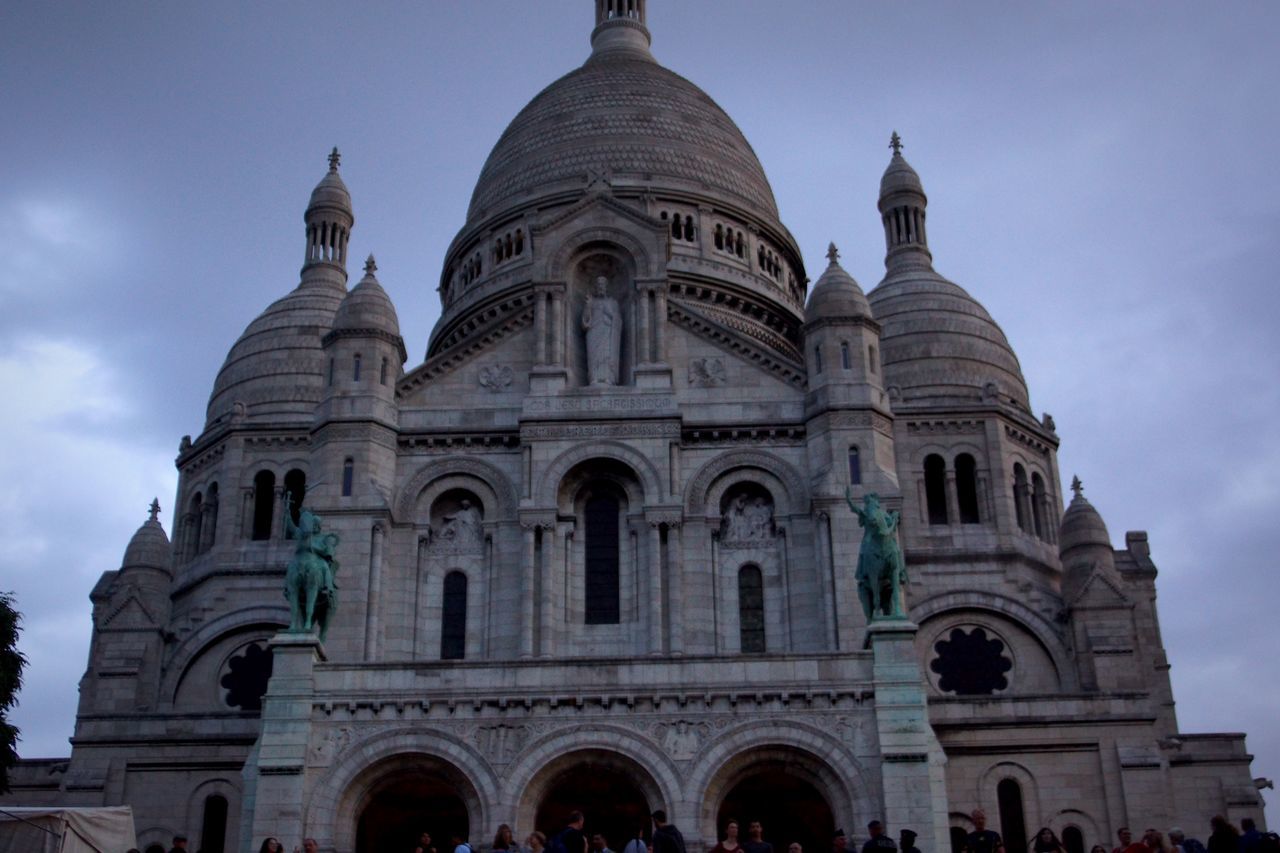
155,508
833,254
895,142
370,265
1077,487
334,159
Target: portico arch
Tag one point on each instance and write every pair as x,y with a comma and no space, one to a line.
549,485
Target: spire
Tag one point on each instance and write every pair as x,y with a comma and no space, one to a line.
329,219
902,205
370,265
1077,487
155,509
620,28
833,254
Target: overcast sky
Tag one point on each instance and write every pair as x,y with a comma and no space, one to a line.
1103,177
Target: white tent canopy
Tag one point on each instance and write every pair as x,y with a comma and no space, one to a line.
68,830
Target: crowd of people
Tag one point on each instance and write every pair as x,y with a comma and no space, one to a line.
666,838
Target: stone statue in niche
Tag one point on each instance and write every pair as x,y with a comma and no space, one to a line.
882,573
602,321
748,521
461,530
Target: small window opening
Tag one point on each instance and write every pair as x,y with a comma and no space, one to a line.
348,476
382,372
355,367
872,361
751,610
855,467
817,359
845,360
935,488
1019,493
264,493
453,624
967,488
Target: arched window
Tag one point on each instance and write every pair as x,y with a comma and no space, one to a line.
195,525
264,508
720,237
1019,495
355,368
1073,839
935,488
741,246
331,371
602,601
751,610
213,829
872,363
453,620
845,361
209,528
382,372
688,228
348,475
519,241
817,359
295,487
1038,506
1013,825
855,467
967,488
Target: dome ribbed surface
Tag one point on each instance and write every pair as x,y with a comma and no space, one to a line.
938,343
330,192
900,177
149,548
1081,526
632,117
277,368
836,294
367,306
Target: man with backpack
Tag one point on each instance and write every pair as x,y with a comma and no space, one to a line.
666,838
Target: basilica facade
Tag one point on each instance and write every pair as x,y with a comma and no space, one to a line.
597,551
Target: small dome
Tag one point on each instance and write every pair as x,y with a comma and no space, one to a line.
149,547
836,294
900,177
1081,526
367,306
331,192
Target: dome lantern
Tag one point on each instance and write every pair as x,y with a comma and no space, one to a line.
902,207
620,26
329,218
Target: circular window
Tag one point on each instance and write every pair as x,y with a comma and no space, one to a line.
970,662
245,676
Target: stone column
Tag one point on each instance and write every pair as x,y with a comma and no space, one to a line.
546,646
826,579
419,603
557,328
373,607
642,325
913,768
675,559
953,501
540,326
660,324
527,610
246,514
274,798
655,588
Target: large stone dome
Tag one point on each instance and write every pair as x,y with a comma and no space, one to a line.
625,115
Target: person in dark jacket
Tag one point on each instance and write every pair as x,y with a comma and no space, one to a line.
666,838
878,842
1225,838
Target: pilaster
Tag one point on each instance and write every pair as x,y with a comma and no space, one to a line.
913,769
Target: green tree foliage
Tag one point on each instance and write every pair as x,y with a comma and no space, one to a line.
11,663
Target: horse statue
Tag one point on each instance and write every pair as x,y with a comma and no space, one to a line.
310,584
882,573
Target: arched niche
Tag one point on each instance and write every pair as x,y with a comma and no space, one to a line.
593,262
229,672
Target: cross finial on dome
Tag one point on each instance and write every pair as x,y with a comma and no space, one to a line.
334,159
833,254
370,265
155,508
895,142
1077,487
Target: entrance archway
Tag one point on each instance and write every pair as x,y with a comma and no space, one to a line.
608,798
614,791
788,807
406,804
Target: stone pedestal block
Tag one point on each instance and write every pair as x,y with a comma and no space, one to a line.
914,766
273,774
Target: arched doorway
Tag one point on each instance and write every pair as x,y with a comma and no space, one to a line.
405,805
788,807
614,791
608,797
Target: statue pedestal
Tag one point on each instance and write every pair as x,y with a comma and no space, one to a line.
913,765
273,774
548,379
651,376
